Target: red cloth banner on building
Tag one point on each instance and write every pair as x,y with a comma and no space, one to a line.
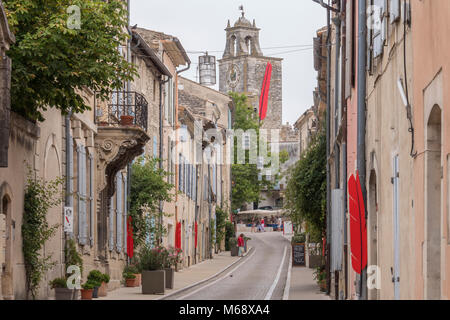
264,98
358,228
178,236
130,242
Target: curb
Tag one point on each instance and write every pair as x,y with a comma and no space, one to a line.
205,280
287,287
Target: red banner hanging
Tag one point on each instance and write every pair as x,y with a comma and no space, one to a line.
264,98
130,241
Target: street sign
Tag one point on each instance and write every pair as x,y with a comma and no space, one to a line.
68,219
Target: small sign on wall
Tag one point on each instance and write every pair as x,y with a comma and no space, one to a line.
68,219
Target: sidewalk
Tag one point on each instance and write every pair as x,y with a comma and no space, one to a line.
183,279
302,285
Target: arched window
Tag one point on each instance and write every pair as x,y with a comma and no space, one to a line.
249,44
233,45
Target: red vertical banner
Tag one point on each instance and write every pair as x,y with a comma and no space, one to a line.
196,234
130,242
264,98
178,236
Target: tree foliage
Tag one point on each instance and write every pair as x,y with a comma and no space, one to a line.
53,62
306,188
247,185
148,188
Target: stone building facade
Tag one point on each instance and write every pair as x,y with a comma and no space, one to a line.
243,66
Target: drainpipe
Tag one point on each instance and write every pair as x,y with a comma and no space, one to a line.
161,138
361,146
69,166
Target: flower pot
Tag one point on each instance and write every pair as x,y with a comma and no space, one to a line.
234,251
170,277
63,294
129,283
86,294
103,290
153,282
95,292
138,279
323,286
126,120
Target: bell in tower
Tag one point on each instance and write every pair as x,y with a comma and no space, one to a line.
242,38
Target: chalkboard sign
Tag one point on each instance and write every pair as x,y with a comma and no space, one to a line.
298,254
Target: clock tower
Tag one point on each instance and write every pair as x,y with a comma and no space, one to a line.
243,66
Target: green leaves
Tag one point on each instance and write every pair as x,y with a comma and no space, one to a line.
53,63
148,188
40,196
306,188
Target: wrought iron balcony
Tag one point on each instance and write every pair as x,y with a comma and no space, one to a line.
125,108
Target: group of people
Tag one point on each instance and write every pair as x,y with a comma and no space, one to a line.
259,226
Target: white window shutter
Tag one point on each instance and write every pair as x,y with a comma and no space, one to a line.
125,214
119,206
91,198
394,11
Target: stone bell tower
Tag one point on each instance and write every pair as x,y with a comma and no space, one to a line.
243,66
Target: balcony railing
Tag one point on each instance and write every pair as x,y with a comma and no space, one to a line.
125,108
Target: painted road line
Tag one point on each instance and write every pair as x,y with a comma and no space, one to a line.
287,287
277,278
220,279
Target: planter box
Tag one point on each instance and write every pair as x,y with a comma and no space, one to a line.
153,282
131,283
64,294
234,251
170,277
103,290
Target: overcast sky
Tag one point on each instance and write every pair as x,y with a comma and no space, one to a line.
200,24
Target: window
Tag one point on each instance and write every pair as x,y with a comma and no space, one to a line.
82,195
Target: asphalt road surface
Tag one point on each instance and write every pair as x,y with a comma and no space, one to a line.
261,275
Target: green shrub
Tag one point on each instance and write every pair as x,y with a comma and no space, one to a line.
88,285
58,283
128,276
95,276
229,233
106,278
151,259
232,242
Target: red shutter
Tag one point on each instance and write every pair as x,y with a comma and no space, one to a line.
130,242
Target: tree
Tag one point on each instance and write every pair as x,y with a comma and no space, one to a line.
148,188
247,185
53,61
306,188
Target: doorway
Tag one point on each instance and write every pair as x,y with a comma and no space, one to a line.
433,204
6,270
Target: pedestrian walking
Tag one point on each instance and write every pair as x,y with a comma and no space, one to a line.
253,225
262,225
241,245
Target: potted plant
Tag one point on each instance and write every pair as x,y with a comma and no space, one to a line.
130,279
233,247
320,275
61,290
126,120
96,277
87,290
134,269
172,258
103,290
153,275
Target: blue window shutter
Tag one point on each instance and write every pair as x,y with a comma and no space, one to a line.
179,173
194,184
119,204
82,223
91,198
111,224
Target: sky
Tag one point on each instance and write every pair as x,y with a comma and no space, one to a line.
200,24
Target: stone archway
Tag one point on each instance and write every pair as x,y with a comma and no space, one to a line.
433,204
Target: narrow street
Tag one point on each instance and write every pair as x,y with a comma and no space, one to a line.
261,275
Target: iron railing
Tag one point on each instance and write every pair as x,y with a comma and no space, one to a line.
123,103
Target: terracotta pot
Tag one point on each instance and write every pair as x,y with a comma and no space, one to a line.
130,283
170,277
153,282
86,294
126,120
138,280
103,290
63,294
